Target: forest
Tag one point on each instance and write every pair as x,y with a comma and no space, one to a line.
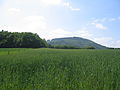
21,40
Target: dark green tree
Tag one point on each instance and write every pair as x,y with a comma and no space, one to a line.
21,40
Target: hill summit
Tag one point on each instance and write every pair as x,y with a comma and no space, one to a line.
75,42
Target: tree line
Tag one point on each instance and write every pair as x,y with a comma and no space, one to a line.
21,40
69,47
28,40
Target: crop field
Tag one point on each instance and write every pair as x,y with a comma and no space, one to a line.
59,69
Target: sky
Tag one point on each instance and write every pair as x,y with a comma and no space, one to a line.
97,20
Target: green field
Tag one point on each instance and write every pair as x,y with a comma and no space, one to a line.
59,69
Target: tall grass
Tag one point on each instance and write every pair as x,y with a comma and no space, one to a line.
52,69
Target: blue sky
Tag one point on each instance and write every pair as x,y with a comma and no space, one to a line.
97,20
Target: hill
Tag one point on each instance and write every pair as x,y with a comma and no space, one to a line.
76,42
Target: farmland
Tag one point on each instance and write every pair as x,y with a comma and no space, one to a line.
59,69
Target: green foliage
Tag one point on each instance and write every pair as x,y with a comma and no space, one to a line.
63,47
69,47
20,40
59,69
75,42
114,48
89,47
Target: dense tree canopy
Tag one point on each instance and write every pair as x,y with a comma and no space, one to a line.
21,40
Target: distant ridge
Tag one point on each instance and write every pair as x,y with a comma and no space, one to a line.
76,42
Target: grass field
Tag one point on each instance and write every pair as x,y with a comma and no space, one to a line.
53,69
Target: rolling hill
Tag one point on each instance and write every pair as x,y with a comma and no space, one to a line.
76,42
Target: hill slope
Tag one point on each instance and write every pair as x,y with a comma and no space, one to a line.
76,42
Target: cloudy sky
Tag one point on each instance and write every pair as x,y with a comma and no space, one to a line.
97,20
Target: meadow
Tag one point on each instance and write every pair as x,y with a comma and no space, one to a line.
59,69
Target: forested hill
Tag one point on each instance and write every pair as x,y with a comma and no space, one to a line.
75,42
20,40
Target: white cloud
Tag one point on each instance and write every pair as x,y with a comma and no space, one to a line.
99,20
38,21
84,34
118,18
35,24
99,26
75,9
112,19
67,4
118,42
40,2
98,23
108,41
51,2
34,18
103,41
104,19
58,33
6,28
13,10
115,43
